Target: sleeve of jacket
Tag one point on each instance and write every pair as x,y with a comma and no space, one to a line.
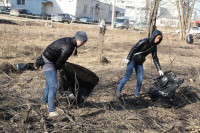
156,60
65,54
135,49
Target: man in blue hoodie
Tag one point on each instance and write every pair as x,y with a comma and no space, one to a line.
136,58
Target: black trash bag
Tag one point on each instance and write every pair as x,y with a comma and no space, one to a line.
21,67
165,86
77,80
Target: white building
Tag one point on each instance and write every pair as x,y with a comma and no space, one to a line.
138,9
135,9
78,8
167,14
5,2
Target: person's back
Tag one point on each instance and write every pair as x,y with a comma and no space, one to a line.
59,51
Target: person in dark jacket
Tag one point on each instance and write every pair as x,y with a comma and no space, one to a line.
55,56
136,58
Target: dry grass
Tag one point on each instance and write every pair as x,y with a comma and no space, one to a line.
102,112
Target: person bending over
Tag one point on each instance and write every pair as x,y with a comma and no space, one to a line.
54,57
136,58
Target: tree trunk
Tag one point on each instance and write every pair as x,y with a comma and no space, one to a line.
152,17
191,10
184,14
182,20
102,31
179,17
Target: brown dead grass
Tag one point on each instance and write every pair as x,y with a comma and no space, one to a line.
102,112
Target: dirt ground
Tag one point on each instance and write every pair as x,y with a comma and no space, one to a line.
21,93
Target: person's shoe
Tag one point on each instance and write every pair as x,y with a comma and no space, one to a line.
71,97
136,96
118,94
53,114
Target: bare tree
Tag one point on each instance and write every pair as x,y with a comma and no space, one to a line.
190,15
152,16
102,31
185,9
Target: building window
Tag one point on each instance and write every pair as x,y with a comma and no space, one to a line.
91,11
129,2
85,9
110,8
173,23
97,11
122,14
130,7
20,2
162,21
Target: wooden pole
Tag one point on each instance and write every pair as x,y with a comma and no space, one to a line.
113,14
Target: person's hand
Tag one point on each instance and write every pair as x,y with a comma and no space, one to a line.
126,60
161,72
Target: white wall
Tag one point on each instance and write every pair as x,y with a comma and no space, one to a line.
135,9
78,8
105,10
4,3
14,4
63,6
169,16
34,6
139,15
171,6
57,6
164,22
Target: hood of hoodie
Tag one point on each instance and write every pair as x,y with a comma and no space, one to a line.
153,36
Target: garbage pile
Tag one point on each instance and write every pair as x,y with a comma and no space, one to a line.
76,82
21,67
16,67
165,86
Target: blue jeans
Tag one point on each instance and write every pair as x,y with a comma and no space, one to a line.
49,95
127,76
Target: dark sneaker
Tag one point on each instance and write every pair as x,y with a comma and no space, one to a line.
118,94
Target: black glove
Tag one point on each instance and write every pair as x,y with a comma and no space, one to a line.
39,62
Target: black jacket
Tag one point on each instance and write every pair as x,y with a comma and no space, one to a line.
60,50
146,46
